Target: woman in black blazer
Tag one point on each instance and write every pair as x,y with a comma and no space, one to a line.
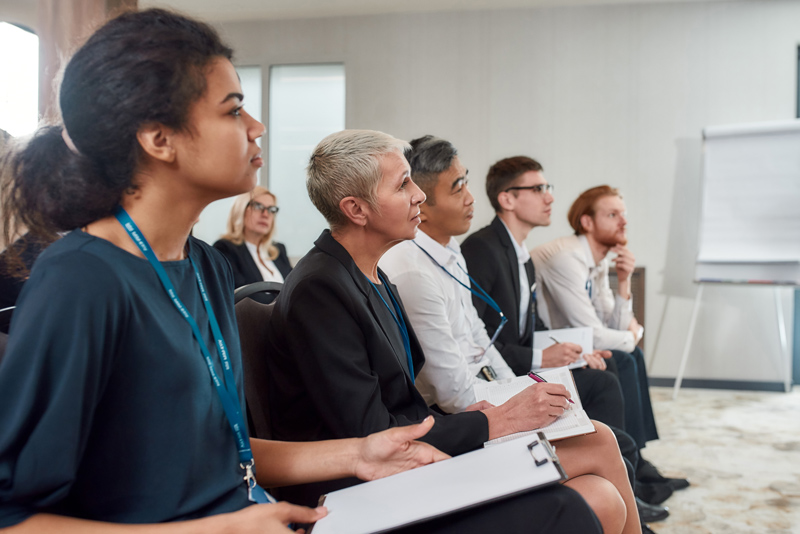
248,244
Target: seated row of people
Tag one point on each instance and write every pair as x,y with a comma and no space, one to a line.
347,360
120,390
434,290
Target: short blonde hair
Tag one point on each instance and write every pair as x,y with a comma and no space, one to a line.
346,164
235,227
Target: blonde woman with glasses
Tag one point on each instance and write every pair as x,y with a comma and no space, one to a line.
248,244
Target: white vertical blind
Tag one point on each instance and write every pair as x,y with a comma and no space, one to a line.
306,103
19,80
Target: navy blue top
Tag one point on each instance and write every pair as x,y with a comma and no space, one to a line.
107,410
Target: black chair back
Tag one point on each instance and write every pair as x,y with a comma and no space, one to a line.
5,318
252,317
3,343
261,291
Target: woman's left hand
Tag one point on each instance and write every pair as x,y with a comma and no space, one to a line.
395,450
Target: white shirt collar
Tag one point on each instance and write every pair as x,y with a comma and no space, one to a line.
594,268
587,251
442,255
522,253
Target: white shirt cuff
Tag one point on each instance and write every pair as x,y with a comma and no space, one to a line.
536,362
624,304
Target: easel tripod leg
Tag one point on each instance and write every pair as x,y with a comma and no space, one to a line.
785,356
685,357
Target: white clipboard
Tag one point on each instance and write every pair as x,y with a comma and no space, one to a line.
437,489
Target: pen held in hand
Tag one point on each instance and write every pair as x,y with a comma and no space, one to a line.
554,340
539,379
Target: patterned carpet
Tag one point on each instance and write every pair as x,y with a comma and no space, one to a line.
741,452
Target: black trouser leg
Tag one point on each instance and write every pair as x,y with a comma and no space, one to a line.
648,419
639,420
601,396
554,510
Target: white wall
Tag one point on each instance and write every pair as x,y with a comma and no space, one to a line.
615,94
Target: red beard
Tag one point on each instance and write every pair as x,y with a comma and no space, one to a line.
612,239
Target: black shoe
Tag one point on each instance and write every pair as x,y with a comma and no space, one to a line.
677,483
647,530
647,472
653,493
649,513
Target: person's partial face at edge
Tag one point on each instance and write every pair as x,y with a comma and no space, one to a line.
399,200
451,214
529,206
218,153
608,225
257,220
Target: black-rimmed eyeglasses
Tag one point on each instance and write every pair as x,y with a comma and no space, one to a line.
261,208
539,188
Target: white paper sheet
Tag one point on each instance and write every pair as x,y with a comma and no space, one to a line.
580,336
573,422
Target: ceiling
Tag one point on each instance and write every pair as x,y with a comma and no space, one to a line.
284,9
24,11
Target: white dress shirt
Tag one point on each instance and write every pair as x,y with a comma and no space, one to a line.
269,272
577,292
524,294
452,336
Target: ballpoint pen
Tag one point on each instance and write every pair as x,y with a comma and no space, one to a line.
538,378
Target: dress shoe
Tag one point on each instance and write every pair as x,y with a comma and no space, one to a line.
649,513
677,483
653,493
647,472
647,530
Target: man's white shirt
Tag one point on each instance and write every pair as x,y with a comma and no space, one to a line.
577,292
444,319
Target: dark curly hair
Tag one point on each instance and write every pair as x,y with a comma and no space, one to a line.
141,67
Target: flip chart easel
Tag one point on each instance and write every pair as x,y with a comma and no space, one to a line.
779,316
749,231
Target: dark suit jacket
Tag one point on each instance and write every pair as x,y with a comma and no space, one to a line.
338,368
492,262
245,270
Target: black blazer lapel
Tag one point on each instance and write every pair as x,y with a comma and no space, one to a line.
529,323
252,271
328,244
512,271
383,317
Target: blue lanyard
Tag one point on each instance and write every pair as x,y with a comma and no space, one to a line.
227,392
397,315
476,290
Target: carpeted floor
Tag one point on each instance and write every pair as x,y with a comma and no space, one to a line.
741,452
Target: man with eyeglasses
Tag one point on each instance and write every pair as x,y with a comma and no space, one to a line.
572,274
499,261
